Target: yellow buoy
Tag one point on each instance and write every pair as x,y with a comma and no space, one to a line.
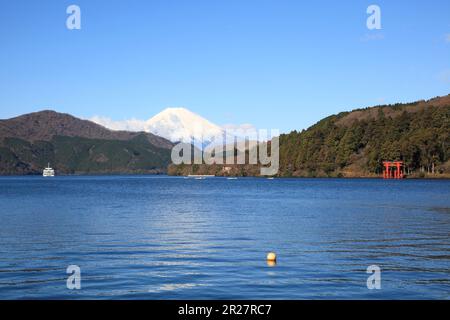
271,256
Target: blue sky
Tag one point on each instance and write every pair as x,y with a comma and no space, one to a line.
275,64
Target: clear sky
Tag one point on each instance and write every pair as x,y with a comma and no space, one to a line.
275,64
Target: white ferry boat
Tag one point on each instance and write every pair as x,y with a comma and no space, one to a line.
48,172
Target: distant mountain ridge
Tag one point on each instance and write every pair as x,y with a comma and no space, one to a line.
75,146
44,125
391,111
349,144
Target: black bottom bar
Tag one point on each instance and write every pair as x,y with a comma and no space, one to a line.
216,309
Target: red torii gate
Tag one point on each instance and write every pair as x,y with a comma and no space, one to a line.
393,170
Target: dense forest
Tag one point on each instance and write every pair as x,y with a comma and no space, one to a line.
355,144
75,155
333,147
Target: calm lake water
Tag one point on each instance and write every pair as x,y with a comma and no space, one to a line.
148,237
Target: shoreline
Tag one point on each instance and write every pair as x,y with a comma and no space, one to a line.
444,177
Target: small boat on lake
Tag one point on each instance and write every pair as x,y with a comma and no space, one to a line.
48,172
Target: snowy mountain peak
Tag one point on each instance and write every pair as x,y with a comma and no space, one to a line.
181,124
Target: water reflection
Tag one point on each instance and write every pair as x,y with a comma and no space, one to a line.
271,263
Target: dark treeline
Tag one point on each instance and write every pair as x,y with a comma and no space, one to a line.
357,143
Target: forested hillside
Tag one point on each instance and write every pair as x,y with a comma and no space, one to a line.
356,143
75,146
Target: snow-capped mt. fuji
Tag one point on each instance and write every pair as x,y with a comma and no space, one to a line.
180,124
